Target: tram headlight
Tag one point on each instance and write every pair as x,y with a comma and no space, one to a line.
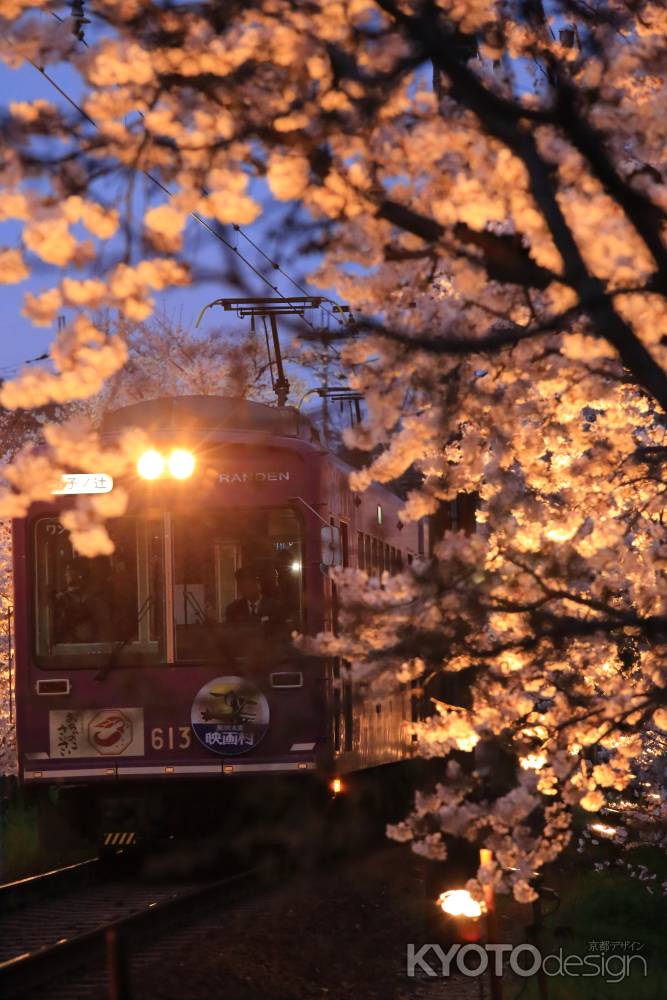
181,463
150,464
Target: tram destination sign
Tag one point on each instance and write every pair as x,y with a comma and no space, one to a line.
84,482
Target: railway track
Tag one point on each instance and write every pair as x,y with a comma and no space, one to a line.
94,956
32,888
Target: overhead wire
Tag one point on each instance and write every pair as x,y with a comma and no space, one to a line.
214,231
277,267
28,361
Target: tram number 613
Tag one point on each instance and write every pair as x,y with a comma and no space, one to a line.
171,737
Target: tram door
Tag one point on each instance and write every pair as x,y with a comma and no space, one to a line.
342,706
342,693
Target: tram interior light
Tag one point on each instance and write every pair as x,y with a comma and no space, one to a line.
181,463
150,465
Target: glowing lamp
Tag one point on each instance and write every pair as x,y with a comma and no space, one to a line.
295,566
150,465
604,830
460,903
336,786
533,761
181,463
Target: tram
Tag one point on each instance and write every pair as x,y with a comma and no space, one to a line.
172,659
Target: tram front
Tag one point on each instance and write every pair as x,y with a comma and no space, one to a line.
174,655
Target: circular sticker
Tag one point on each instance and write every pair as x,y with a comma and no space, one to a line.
110,731
230,715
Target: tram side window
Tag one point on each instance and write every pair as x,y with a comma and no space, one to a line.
237,581
88,607
368,559
344,544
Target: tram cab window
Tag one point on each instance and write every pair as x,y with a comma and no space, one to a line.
237,582
345,544
87,609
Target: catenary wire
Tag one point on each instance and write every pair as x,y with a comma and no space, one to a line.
28,361
277,267
195,215
274,264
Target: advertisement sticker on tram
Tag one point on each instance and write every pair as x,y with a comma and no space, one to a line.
107,732
230,715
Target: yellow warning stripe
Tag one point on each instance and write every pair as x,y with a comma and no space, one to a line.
119,838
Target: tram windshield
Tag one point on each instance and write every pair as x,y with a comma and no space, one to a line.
236,583
105,605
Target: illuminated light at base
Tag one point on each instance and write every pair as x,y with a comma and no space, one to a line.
627,805
295,566
604,830
150,465
460,903
181,463
561,534
336,786
533,761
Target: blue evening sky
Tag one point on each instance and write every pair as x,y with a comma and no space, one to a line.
20,340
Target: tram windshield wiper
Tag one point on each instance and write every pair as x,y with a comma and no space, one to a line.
119,646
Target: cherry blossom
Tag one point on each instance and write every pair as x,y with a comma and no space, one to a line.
485,187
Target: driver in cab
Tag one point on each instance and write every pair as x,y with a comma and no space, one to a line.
252,607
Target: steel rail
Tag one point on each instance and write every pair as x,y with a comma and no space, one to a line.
27,972
24,891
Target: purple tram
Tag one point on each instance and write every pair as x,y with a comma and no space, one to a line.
171,659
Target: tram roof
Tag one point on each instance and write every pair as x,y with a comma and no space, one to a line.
206,413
